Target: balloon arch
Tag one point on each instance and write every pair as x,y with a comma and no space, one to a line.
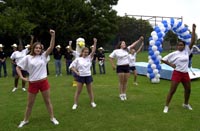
155,45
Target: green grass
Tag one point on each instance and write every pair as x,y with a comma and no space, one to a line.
141,112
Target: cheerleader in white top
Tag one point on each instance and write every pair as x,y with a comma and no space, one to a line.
16,57
132,60
179,61
81,66
35,63
121,54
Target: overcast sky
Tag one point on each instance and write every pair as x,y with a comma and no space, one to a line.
188,9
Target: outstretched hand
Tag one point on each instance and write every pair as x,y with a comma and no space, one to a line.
95,40
70,43
52,32
193,27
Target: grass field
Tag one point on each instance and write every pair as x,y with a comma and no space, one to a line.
143,111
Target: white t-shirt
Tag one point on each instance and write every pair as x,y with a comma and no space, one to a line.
18,55
35,66
83,65
132,59
179,58
121,55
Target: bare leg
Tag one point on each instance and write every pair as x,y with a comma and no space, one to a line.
78,92
90,92
16,80
125,81
121,81
172,90
187,87
30,103
47,100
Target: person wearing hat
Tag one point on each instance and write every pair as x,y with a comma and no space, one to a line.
16,57
57,54
93,61
101,60
68,55
3,57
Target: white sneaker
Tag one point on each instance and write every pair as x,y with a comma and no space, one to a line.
22,123
166,108
24,89
14,89
74,107
55,122
124,95
121,96
135,83
93,104
187,106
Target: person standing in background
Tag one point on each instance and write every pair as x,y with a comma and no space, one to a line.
94,61
101,60
68,55
3,57
57,57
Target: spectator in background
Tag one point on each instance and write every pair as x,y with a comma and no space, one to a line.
68,55
3,57
57,57
101,60
93,61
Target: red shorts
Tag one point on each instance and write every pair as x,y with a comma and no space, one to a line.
42,85
180,76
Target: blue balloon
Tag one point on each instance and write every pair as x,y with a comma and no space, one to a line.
149,66
156,62
153,57
151,53
150,70
179,24
160,39
160,49
152,75
157,29
160,35
150,38
172,22
157,43
158,67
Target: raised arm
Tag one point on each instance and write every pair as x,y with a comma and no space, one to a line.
52,42
193,36
136,42
94,48
70,46
140,47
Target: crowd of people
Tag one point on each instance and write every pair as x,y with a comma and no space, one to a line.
31,65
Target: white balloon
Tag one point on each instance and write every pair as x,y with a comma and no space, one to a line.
155,71
153,66
149,57
157,76
169,26
153,33
159,57
180,28
150,61
148,75
188,40
154,48
153,80
175,23
152,42
157,53
155,37
185,33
